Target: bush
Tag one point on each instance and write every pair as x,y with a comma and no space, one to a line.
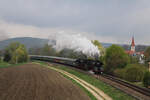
132,72
7,55
147,54
146,79
133,60
115,58
1,59
119,73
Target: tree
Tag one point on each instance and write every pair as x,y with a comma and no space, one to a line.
1,56
147,54
134,72
133,59
21,54
100,47
15,53
69,53
48,50
35,51
115,57
146,80
0,53
9,51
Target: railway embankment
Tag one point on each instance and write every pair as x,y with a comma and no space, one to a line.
112,92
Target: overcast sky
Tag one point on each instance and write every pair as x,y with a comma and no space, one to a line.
113,21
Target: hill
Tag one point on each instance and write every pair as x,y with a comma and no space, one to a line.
37,42
32,42
27,41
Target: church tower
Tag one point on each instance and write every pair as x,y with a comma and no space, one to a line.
133,45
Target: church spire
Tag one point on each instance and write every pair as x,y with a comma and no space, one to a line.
133,45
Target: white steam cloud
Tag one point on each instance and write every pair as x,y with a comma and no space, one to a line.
77,42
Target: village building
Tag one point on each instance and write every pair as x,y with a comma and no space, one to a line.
132,52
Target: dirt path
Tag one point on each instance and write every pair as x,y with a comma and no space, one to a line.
33,82
100,95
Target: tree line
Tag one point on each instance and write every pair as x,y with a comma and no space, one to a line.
116,61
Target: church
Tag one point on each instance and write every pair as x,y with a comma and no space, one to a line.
132,52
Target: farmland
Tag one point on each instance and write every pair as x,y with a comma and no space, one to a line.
32,82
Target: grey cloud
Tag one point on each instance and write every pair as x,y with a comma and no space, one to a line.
108,18
3,35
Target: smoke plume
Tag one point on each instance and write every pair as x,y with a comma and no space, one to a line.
76,42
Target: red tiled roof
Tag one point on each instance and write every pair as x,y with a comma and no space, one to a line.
130,52
142,52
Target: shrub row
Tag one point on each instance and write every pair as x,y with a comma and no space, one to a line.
132,72
146,80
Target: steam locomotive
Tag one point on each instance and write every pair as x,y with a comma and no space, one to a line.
84,64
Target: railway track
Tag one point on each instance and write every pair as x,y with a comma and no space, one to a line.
144,91
135,91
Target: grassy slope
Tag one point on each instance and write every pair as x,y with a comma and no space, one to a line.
84,89
114,93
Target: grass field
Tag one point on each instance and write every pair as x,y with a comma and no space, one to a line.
114,93
5,64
